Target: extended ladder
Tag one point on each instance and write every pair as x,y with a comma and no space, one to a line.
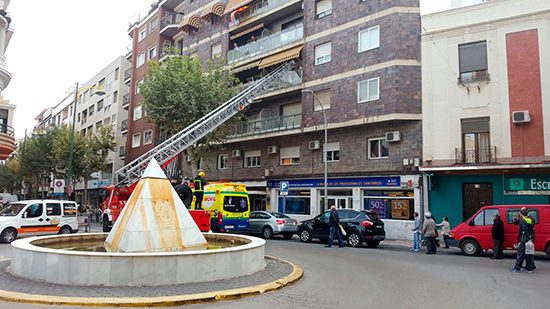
177,143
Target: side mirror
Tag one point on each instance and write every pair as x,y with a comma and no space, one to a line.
471,223
24,215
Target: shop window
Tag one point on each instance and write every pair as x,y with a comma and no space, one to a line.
323,8
378,148
53,209
295,203
369,39
472,58
322,100
323,53
368,90
222,161
533,213
252,158
397,205
290,155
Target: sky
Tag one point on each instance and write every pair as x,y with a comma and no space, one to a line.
57,43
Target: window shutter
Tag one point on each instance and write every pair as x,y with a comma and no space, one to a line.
473,57
323,6
290,152
253,153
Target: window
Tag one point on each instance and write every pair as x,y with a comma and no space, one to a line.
216,50
252,158
34,211
368,90
153,25
323,8
222,161
91,110
136,140
99,105
115,96
137,113
369,39
235,203
472,58
140,60
485,217
117,73
98,125
389,204
53,209
152,52
378,148
290,155
142,34
148,137
333,152
69,209
138,84
476,145
295,203
322,100
533,213
194,55
322,53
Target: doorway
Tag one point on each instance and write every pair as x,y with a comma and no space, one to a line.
475,196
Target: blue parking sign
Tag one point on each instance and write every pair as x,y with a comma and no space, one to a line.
284,188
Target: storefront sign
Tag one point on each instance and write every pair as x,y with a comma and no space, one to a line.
400,209
374,182
378,206
533,184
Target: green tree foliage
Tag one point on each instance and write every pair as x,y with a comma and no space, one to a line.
10,175
180,91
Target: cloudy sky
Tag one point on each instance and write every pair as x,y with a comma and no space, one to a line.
59,42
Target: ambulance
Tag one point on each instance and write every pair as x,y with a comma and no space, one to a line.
36,218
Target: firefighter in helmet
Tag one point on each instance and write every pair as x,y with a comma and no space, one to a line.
199,182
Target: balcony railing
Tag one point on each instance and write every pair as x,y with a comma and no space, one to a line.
476,155
266,44
126,100
268,125
7,141
4,128
171,19
127,74
124,126
289,79
257,9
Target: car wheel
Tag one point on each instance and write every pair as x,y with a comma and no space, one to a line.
548,250
373,243
65,230
288,235
106,227
305,235
354,239
469,247
267,232
8,235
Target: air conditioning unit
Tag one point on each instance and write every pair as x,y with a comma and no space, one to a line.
272,149
313,145
521,117
188,159
393,136
236,153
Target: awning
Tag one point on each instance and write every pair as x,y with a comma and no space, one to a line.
215,8
280,57
247,31
246,67
189,22
232,5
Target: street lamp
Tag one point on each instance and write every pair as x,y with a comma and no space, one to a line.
77,90
324,145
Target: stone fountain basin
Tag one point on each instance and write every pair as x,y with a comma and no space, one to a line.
32,259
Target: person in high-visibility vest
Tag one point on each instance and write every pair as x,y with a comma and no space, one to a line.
199,182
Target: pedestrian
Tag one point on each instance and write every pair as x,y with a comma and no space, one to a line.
416,233
497,232
97,215
526,234
429,232
334,223
445,231
199,183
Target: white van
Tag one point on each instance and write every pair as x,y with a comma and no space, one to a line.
38,217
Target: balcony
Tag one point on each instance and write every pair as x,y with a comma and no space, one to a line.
126,101
124,126
7,141
169,24
257,9
268,125
476,155
127,75
288,80
266,44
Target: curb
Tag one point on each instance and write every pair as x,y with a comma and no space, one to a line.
296,274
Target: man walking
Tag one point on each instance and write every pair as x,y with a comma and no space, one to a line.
334,223
498,237
526,233
416,233
429,232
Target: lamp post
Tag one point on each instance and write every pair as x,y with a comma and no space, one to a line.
77,90
324,145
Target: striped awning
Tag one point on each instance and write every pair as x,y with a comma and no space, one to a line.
247,31
189,22
232,5
280,57
215,8
245,67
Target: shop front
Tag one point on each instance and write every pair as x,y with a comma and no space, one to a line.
394,198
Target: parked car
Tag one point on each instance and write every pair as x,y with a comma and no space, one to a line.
267,224
360,226
474,235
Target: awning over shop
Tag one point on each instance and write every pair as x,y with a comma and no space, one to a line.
247,31
246,67
235,4
280,57
215,8
190,22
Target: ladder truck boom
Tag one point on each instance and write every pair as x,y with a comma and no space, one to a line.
167,150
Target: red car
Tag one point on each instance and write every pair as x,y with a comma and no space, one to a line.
474,234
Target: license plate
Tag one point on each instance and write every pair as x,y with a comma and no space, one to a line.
378,226
229,226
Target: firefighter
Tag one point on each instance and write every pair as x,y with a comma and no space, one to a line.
199,183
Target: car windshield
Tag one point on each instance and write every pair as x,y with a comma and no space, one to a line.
279,215
12,210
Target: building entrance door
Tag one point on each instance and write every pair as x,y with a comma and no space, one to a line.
475,196
339,202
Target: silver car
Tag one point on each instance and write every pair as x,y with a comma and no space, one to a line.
267,224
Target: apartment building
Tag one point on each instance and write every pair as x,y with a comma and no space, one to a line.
7,138
361,59
486,101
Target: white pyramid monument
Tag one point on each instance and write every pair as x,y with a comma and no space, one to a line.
154,219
